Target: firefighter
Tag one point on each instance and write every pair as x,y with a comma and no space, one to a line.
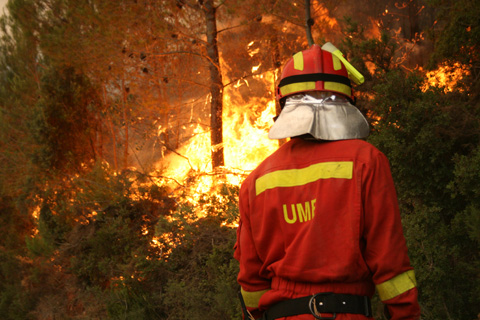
320,227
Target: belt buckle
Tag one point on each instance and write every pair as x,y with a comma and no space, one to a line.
313,308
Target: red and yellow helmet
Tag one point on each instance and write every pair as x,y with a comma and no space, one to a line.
317,69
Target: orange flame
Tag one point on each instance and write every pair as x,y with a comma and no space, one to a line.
245,145
446,76
324,15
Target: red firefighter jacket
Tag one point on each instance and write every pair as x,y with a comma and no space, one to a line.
323,217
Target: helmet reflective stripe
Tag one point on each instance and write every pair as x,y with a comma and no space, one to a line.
315,81
297,87
338,87
397,285
337,64
310,86
298,61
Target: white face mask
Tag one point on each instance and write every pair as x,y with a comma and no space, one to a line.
323,115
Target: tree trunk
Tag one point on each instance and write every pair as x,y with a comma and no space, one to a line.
414,26
216,86
110,127
126,124
308,23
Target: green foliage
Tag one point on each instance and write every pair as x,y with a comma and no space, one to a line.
459,32
428,136
15,301
380,52
202,283
64,121
113,231
122,248
467,184
205,286
18,89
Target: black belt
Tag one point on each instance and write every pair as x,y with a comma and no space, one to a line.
328,302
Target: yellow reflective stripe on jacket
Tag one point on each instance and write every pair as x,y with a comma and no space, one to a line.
397,285
252,298
300,177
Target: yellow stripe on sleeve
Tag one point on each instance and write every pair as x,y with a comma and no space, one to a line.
397,285
252,298
300,177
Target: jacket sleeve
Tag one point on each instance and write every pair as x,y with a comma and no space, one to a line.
385,246
253,286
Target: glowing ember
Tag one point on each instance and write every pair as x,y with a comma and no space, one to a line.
251,51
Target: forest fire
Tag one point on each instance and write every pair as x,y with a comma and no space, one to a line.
446,76
245,145
115,206
190,166
245,142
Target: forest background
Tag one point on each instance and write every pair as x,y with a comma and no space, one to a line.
127,126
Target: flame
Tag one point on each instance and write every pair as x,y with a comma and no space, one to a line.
371,67
255,68
446,76
245,145
251,51
188,171
324,15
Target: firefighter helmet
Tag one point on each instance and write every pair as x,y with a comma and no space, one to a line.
318,69
316,97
